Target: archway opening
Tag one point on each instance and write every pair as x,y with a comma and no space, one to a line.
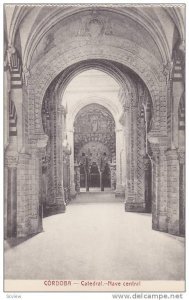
126,98
92,104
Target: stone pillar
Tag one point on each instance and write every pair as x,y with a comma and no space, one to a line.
131,201
29,193
181,157
66,171
120,188
10,187
44,189
6,102
173,205
129,187
70,137
155,188
60,200
159,188
148,183
6,138
113,176
177,91
101,182
17,98
77,177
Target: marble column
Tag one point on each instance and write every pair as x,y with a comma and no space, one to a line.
159,188
173,203
6,102
148,183
60,199
131,203
11,196
113,176
17,98
77,177
66,171
70,137
181,156
120,188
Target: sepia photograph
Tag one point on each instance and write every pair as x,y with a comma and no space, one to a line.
94,147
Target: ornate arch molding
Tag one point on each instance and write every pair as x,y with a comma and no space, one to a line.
102,65
113,109
42,76
58,15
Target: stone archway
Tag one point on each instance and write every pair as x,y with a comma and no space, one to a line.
135,117
32,73
38,83
46,76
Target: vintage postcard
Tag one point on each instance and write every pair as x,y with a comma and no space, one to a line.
94,147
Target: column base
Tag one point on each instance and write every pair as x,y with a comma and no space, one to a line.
73,192
73,195
135,207
33,227
159,223
54,209
174,228
120,192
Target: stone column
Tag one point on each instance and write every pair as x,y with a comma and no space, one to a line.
77,177
6,102
173,205
113,176
120,188
44,183
129,188
159,188
177,91
70,137
66,171
6,138
181,156
16,95
155,187
101,182
10,181
131,155
148,183
60,199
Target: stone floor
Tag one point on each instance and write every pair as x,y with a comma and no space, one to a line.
96,239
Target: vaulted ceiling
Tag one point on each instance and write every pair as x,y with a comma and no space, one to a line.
37,29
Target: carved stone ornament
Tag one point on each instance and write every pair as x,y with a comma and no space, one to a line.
11,50
167,70
95,26
181,156
25,75
42,141
11,161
